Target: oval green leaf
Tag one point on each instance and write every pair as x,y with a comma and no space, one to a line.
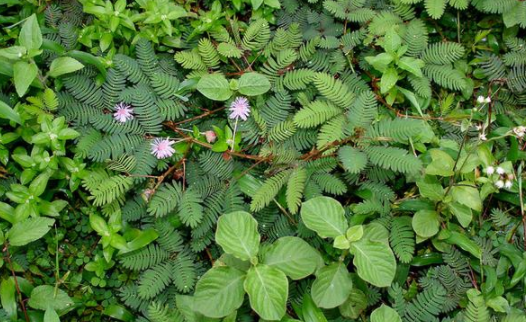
294,257
237,234
332,286
214,87
252,84
268,289
325,216
219,292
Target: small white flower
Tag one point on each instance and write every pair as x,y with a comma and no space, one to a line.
519,131
508,184
499,184
490,170
487,100
482,137
480,99
478,127
500,170
162,148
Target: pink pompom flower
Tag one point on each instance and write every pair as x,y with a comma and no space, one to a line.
240,108
123,112
162,148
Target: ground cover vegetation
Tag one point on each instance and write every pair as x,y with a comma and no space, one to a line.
275,160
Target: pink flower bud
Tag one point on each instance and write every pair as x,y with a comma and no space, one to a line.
210,136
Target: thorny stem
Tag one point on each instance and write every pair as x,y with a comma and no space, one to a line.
17,287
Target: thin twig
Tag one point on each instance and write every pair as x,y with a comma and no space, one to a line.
197,117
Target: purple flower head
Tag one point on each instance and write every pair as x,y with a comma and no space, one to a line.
240,108
162,148
123,112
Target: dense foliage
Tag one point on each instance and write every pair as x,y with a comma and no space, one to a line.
280,160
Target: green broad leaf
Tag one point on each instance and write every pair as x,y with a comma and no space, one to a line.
498,304
412,98
385,314
13,52
426,223
431,191
268,290
391,41
464,214
8,297
256,4
253,84
341,242
30,34
412,65
332,286
442,164
467,196
144,238
219,292
214,87
39,184
309,311
6,112
355,233
44,297
238,235
229,50
325,216
99,225
273,3
118,312
24,74
388,80
29,230
294,257
380,62
51,315
64,65
374,260
355,304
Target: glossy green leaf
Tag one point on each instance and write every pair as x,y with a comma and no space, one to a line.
29,230
426,223
332,286
294,256
237,234
325,216
385,314
214,87
6,112
388,80
253,84
374,260
51,315
44,297
24,74
30,34
64,65
268,289
220,292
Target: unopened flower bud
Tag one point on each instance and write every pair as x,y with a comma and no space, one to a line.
210,136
